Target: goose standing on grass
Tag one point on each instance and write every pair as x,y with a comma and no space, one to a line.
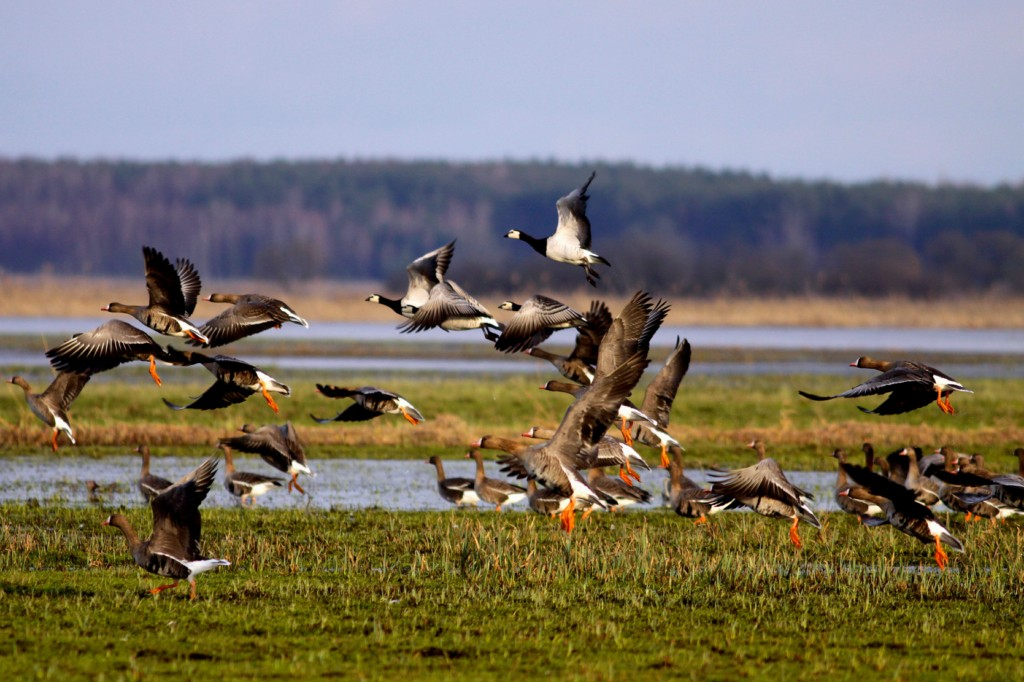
492,490
534,321
370,402
173,549
236,381
690,500
851,504
109,345
902,511
658,399
578,366
249,314
150,485
51,406
243,484
910,385
424,273
570,242
457,490
764,488
279,446
173,292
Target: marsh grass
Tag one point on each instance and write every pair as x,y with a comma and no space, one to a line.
475,595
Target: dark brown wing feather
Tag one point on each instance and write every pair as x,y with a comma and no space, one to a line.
177,527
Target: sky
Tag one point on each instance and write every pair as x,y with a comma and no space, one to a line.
846,91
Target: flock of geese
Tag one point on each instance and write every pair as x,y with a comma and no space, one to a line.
563,466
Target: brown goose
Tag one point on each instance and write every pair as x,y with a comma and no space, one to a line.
534,321
457,490
51,406
173,292
610,452
658,399
764,488
243,484
570,242
626,414
545,500
279,446
236,381
109,345
851,504
911,385
370,402
578,366
424,273
690,500
625,494
249,314
554,462
150,485
902,511
173,548
492,490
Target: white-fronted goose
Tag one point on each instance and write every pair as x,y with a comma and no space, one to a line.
244,484
236,381
690,500
570,242
764,488
51,406
553,462
578,366
424,272
457,489
625,494
610,452
962,491
851,504
173,292
545,501
370,402
534,321
926,489
910,385
452,309
658,399
903,512
626,414
109,345
492,490
150,485
172,550
249,314
279,446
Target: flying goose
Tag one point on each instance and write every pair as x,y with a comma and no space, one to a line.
570,242
173,549
764,488
424,272
244,484
249,314
910,385
109,345
658,399
51,406
370,402
578,366
236,381
452,309
609,452
173,292
279,446
534,321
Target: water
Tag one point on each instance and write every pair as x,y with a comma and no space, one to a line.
400,485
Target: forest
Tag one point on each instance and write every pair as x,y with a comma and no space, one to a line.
676,231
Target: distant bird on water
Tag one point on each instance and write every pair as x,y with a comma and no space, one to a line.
911,385
570,242
173,292
249,314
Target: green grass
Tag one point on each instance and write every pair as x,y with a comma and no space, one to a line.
474,595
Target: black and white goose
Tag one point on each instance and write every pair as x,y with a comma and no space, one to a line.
570,242
452,309
424,272
534,321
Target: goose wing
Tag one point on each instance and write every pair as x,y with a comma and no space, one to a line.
573,225
109,345
177,527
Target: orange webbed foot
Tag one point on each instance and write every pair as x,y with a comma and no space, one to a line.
152,371
664,457
794,536
270,400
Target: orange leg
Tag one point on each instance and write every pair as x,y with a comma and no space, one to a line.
941,558
152,371
664,456
192,593
793,534
624,476
944,404
703,519
295,483
54,442
626,436
587,514
568,516
409,418
270,401
158,590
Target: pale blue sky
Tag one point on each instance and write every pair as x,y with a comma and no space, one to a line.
851,91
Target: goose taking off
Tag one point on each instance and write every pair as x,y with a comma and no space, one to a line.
236,381
570,242
424,273
370,402
249,314
105,347
51,406
911,385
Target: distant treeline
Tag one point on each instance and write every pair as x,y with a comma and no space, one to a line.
674,231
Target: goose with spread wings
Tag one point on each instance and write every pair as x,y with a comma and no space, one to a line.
51,406
236,381
249,314
111,344
424,273
370,402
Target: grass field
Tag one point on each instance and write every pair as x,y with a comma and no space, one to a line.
478,595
